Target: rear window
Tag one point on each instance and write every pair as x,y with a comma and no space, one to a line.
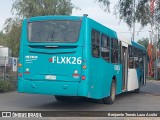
54,31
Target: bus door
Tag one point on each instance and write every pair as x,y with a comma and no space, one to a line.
144,67
124,68
142,62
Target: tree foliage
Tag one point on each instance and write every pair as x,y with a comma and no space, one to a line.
10,38
104,4
125,10
30,8
128,11
3,37
13,30
144,42
142,13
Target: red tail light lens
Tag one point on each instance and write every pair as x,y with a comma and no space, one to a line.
75,74
20,74
50,59
83,77
26,72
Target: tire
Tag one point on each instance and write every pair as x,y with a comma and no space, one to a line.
111,98
63,98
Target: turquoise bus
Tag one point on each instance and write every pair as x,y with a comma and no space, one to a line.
70,56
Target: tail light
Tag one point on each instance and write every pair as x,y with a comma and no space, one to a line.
83,77
19,65
84,67
50,59
20,74
75,74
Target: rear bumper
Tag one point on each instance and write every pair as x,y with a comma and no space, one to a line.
53,88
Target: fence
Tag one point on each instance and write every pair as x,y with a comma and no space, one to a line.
157,70
8,70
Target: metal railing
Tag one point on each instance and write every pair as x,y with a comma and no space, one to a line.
7,70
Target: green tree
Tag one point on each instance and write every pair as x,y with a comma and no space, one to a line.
144,42
30,8
13,30
3,41
104,4
127,11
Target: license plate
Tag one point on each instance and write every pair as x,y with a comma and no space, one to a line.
50,77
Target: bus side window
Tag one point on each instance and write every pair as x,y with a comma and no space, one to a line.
114,52
131,62
136,58
95,37
105,48
120,49
140,59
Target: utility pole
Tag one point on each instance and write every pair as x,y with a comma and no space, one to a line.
134,14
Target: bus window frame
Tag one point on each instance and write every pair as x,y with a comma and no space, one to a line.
141,57
120,52
107,47
130,54
136,54
114,48
99,44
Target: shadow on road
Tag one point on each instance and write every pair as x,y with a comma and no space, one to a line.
82,103
124,101
151,88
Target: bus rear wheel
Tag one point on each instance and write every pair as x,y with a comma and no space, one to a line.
63,98
111,98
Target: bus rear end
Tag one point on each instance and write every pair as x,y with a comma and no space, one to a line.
51,55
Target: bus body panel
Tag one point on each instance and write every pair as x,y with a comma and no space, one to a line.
35,59
101,74
38,65
52,88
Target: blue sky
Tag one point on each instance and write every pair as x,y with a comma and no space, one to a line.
87,7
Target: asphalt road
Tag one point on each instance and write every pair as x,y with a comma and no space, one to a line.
147,100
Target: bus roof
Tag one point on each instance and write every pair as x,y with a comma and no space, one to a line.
50,17
128,41
137,45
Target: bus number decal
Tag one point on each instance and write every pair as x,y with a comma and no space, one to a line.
67,60
74,60
117,67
